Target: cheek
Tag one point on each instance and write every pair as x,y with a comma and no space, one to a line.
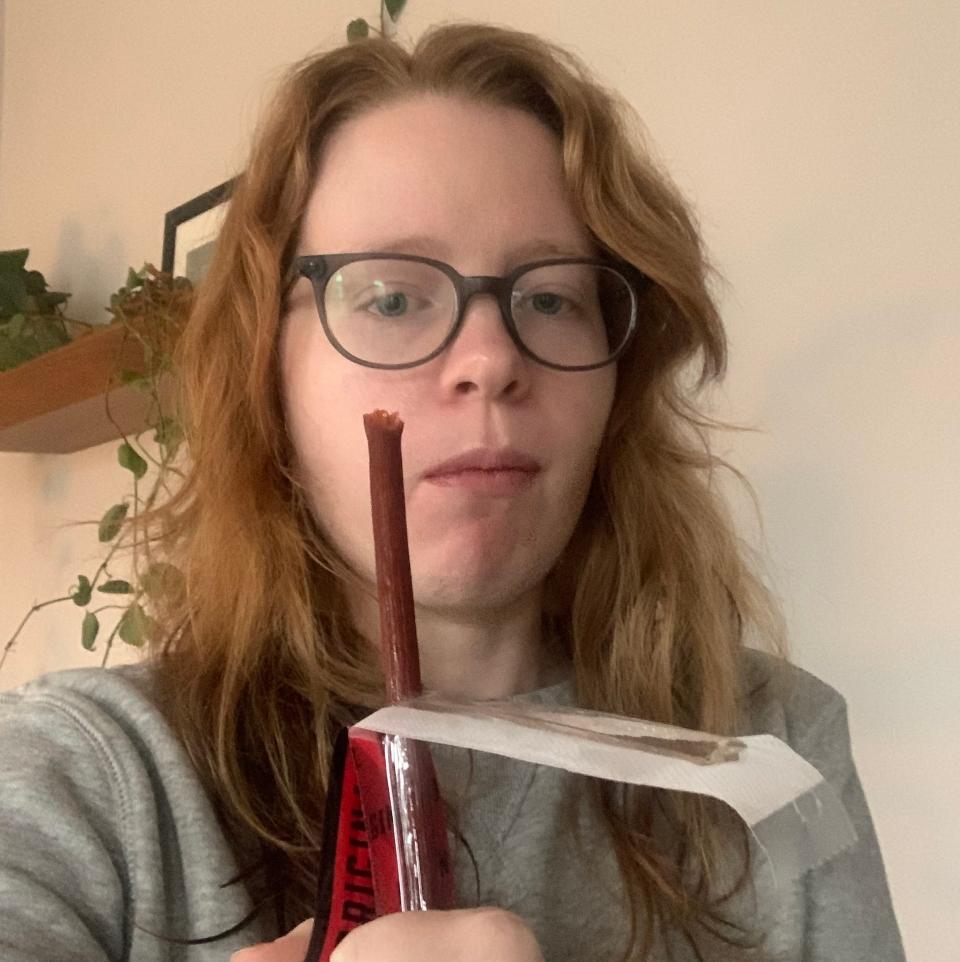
587,405
589,409
331,466
319,416
319,405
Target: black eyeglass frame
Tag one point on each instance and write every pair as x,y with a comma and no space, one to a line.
319,268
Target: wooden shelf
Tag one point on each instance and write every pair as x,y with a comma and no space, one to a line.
55,403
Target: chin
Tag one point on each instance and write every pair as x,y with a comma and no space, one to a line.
478,581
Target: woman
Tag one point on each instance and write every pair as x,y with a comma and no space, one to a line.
566,545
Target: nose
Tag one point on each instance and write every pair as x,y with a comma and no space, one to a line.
483,358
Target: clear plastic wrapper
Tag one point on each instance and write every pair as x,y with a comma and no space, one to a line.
795,816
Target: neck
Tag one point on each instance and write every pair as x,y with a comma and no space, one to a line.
487,653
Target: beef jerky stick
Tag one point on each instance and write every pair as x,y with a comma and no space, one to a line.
363,874
425,875
398,628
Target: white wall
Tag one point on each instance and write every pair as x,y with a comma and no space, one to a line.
820,141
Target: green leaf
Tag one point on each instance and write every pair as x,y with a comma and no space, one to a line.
29,339
111,522
135,626
394,8
136,379
14,351
130,460
162,578
15,326
13,261
81,597
34,282
116,587
13,294
50,333
89,629
48,300
168,432
133,278
357,29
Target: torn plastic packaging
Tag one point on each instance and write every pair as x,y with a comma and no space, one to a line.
384,863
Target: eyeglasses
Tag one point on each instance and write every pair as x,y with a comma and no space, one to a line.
396,311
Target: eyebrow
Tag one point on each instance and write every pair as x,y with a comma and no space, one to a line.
428,246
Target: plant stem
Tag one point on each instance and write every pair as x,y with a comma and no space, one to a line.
136,514
36,607
109,644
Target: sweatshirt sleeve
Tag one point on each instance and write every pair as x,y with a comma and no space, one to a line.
61,858
850,916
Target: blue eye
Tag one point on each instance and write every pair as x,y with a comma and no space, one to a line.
547,303
392,305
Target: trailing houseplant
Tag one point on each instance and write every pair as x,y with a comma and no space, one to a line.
152,307
32,320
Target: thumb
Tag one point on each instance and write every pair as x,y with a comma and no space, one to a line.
288,948
302,931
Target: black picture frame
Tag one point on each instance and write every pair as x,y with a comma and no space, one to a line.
190,232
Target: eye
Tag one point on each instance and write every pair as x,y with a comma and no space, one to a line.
390,305
389,302
547,303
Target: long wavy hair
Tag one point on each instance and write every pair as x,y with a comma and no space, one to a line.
258,662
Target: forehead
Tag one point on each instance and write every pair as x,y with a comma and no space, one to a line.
462,175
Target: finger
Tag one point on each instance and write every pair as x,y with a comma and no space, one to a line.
288,948
460,935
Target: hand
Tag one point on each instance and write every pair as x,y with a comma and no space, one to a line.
461,935
291,947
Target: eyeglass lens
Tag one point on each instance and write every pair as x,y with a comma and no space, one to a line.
387,311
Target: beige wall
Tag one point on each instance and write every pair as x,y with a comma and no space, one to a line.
820,142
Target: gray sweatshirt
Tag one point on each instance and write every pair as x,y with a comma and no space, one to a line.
106,836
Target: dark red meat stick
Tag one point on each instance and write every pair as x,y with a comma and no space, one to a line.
398,627
400,652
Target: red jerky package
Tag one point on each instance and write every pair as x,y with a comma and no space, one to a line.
377,856
345,897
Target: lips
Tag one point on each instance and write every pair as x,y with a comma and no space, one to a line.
485,459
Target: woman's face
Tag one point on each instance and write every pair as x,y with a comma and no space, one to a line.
481,188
